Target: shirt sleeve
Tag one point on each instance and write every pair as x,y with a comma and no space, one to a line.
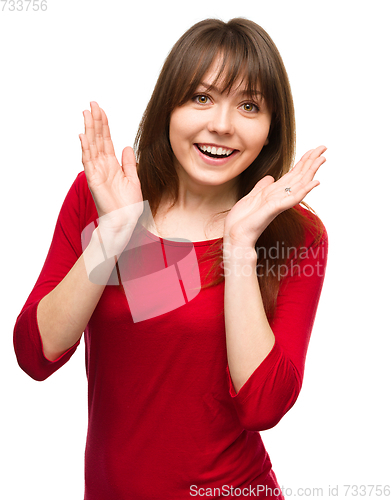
274,386
64,251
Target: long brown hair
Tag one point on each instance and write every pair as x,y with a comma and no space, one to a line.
247,50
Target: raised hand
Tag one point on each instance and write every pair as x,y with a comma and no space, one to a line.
115,188
251,214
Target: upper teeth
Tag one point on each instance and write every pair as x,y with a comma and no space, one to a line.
216,151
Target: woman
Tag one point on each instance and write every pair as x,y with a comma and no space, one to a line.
184,370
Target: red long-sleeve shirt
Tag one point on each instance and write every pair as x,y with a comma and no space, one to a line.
164,420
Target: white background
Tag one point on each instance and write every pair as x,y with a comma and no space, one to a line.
337,55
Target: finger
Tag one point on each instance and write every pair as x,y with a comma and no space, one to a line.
96,114
297,184
304,190
317,152
306,155
298,194
90,133
307,159
107,140
310,166
302,160
305,184
307,175
310,173
266,181
86,156
128,161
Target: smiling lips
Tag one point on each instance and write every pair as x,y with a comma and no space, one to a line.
214,151
215,155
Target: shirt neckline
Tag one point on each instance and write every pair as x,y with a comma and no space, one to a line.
179,243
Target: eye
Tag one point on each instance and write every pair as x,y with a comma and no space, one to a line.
200,99
250,107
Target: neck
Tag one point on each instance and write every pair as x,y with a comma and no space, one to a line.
205,199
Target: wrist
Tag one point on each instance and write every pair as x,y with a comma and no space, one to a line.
238,245
112,241
234,252
100,257
123,218
237,236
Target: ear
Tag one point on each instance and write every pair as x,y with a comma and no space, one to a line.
266,142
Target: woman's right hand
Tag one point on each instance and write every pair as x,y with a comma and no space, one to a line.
115,188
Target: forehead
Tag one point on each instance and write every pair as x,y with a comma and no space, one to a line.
227,70
221,77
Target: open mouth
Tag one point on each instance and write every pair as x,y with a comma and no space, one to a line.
214,152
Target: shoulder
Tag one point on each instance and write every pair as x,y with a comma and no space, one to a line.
80,184
79,187
79,203
313,251
305,265
315,232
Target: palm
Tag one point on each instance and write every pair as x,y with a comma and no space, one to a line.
252,213
112,186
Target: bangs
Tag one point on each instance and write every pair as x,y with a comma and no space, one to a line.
241,61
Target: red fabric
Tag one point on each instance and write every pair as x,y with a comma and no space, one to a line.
163,413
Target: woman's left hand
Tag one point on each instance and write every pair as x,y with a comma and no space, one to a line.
251,214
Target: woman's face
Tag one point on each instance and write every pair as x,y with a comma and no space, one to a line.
216,136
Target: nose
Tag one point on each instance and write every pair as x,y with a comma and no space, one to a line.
221,121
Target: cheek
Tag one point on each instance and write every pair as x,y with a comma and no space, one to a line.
179,129
173,130
256,136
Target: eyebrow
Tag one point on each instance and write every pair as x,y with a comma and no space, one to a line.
242,92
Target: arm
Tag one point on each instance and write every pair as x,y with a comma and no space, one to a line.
249,337
63,314
64,251
271,373
254,348
50,325
48,329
